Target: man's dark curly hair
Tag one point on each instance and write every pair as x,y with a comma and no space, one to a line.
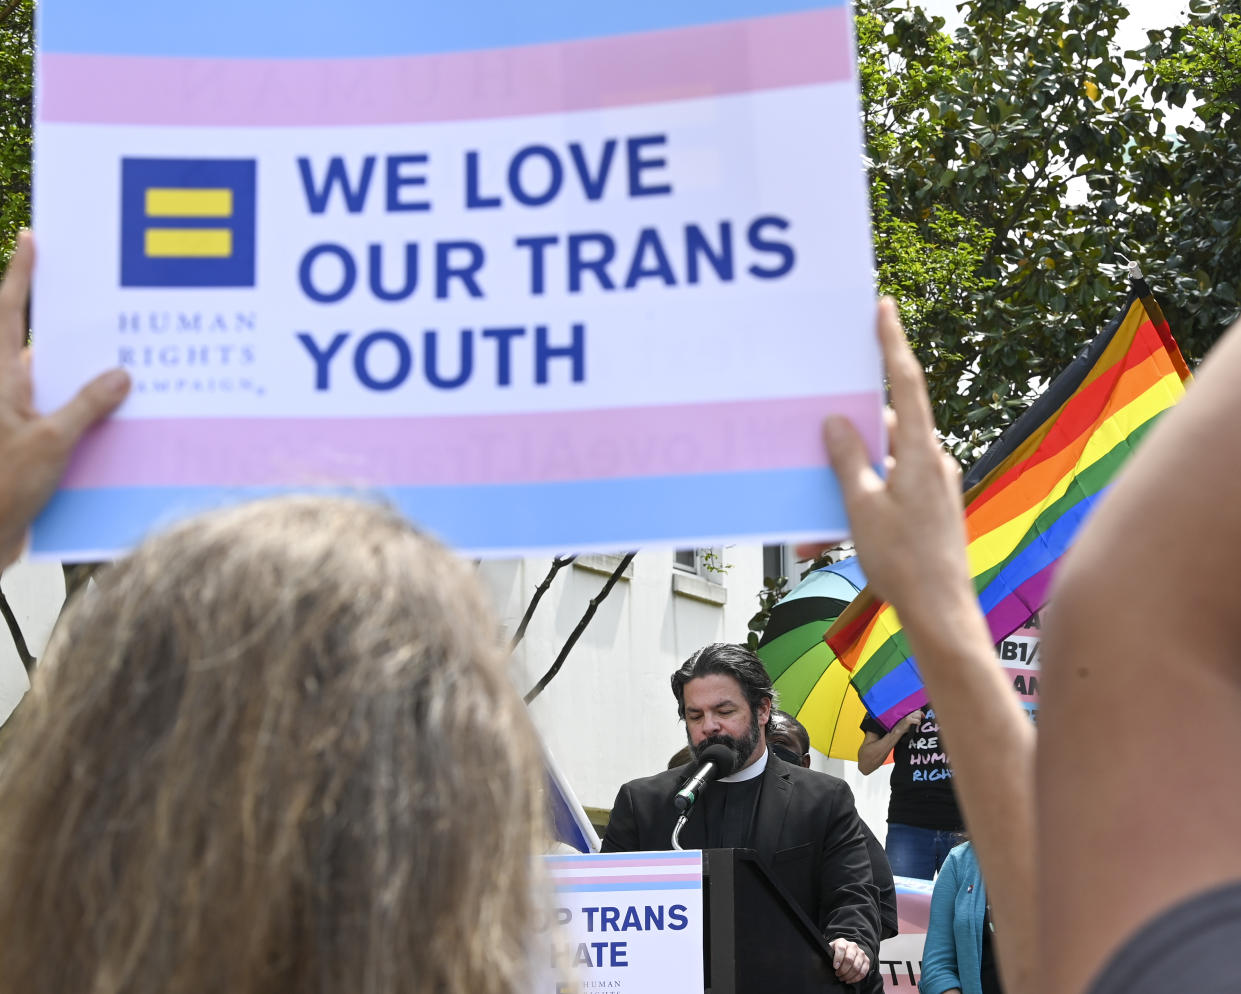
731,660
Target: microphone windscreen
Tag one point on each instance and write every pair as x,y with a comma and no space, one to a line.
723,758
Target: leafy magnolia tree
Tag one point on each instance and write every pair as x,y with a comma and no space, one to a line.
16,40
1015,171
1198,66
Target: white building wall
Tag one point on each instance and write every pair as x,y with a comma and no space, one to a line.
35,592
609,715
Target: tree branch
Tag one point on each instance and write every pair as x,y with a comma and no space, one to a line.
15,630
576,634
559,563
9,7
77,576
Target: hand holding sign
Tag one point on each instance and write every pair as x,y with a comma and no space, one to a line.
34,449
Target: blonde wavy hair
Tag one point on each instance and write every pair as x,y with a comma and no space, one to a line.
276,750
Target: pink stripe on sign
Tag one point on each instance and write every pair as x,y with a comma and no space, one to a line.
652,67
674,440
612,862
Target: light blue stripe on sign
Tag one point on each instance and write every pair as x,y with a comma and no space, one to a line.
569,515
332,29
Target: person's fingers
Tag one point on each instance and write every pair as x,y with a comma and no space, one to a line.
838,954
95,401
849,458
14,292
906,380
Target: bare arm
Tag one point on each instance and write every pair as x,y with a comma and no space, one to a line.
910,535
1140,656
875,748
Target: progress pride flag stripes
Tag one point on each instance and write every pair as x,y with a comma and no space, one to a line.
1026,499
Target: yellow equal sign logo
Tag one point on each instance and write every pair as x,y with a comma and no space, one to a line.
188,222
185,202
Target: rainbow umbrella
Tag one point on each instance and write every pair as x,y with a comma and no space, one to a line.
811,683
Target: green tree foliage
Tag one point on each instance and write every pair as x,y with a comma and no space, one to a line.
1198,66
16,42
1015,171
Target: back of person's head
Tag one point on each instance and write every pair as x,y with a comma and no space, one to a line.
679,758
788,734
276,750
726,659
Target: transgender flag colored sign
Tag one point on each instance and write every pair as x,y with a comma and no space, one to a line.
553,276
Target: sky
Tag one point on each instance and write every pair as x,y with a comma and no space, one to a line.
1143,15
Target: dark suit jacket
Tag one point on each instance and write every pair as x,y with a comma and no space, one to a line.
806,830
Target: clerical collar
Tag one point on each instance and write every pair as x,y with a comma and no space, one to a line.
755,769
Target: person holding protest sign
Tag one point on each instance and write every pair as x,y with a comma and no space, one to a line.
274,749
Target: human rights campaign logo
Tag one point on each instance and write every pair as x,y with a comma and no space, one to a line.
187,222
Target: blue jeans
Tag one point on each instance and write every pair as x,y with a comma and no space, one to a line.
918,852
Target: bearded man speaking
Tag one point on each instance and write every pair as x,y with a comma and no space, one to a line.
802,824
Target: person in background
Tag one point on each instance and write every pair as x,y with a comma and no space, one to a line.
802,824
790,741
924,822
959,954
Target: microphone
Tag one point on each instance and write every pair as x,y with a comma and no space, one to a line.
715,761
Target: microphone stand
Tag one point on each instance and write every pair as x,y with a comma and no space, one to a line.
676,832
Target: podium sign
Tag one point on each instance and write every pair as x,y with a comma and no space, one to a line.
627,922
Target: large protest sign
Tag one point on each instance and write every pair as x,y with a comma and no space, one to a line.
1019,654
559,275
626,922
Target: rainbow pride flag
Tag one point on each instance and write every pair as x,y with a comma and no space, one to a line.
1029,494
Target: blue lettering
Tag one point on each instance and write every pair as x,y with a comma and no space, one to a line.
430,361
590,918
696,244
544,353
337,175
593,186
780,249
322,357
349,274
504,368
472,199
445,270
375,261
536,244
655,918
398,181
404,360
619,953
638,165
554,180
677,918
632,921
609,918
579,264
649,243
